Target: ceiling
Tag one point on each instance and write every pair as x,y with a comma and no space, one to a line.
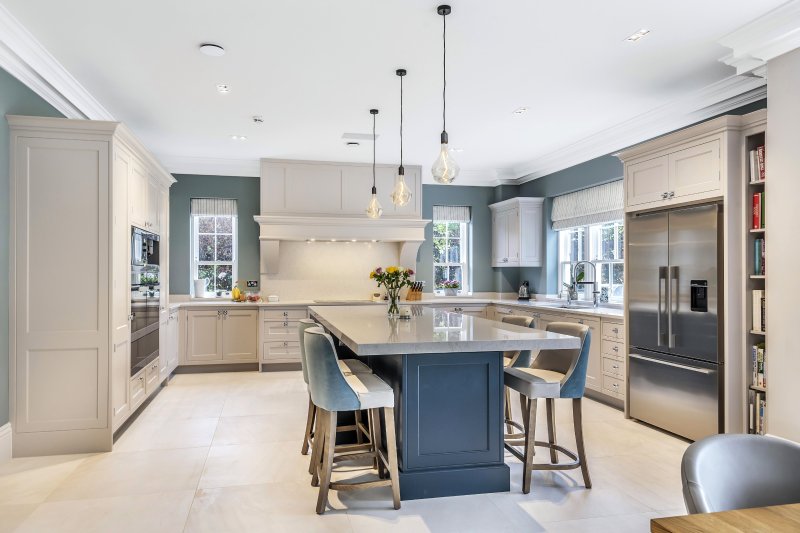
313,69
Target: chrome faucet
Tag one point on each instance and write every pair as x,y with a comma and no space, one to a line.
595,292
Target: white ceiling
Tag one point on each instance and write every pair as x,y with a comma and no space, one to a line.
313,69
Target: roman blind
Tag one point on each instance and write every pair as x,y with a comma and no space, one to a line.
452,213
214,207
595,205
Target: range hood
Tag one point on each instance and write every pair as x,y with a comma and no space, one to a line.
409,234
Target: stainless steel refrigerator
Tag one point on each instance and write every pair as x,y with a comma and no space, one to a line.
675,319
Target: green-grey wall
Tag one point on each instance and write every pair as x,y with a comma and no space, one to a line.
243,189
484,277
15,99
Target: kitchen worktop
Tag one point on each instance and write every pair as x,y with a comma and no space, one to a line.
366,330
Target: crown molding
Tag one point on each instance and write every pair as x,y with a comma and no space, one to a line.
765,38
211,166
24,57
700,105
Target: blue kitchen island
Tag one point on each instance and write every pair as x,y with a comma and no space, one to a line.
446,370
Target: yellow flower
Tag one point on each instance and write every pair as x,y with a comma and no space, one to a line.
391,270
372,275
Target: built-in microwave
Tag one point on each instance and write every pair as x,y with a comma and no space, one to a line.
144,247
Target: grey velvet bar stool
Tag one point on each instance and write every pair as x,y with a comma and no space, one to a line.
348,366
515,358
333,392
552,374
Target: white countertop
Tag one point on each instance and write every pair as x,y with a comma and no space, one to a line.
368,331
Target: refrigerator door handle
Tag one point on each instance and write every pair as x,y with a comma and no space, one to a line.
662,289
673,299
676,365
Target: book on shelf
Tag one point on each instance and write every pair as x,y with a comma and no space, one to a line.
761,150
758,210
759,310
758,358
757,407
759,256
757,161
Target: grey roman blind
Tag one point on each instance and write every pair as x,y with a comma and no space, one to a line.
452,213
595,205
216,207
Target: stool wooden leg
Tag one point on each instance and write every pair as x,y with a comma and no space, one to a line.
359,437
375,416
391,450
309,426
551,428
326,466
317,446
577,417
508,415
529,418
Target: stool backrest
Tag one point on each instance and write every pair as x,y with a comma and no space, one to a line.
327,385
305,323
519,358
572,363
726,472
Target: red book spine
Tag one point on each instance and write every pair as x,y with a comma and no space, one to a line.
757,211
761,163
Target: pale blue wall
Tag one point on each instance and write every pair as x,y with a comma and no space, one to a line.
245,190
15,99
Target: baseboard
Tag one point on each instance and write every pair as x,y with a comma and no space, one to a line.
5,443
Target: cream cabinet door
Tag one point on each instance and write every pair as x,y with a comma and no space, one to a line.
120,377
153,221
647,181
172,342
204,335
594,369
240,335
695,170
500,222
513,237
137,195
530,235
137,390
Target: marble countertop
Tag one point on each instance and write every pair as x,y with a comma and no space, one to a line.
368,331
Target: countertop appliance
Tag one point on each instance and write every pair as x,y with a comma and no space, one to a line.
524,291
675,319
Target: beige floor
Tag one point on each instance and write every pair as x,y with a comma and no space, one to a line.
220,453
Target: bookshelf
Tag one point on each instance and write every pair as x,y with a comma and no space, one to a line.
755,279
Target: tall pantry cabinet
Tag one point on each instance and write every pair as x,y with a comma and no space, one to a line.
71,198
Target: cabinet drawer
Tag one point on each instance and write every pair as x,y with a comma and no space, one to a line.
614,348
614,331
281,351
152,374
137,390
613,366
284,314
613,385
284,329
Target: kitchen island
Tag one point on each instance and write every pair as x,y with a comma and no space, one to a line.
446,370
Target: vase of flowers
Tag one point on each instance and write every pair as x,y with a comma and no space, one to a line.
392,279
449,287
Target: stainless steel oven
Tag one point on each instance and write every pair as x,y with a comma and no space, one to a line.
145,298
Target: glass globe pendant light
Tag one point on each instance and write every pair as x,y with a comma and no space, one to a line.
444,169
401,194
374,209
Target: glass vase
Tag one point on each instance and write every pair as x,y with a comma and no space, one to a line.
393,309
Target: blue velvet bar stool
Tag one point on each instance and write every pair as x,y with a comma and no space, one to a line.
515,358
552,374
348,366
332,392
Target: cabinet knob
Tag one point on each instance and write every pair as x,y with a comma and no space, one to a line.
615,367
285,324
615,330
672,194
664,195
141,378
616,348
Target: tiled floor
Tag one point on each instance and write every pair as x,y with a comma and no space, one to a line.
220,453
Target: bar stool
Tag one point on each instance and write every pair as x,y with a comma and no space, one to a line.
515,358
332,392
348,366
552,374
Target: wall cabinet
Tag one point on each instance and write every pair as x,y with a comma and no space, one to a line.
226,335
517,232
145,192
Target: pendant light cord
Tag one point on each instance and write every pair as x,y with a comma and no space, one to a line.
401,121
444,72
373,151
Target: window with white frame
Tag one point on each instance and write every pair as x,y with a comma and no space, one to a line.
214,242
451,247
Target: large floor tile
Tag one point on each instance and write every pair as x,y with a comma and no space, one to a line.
252,404
133,473
151,513
249,464
31,480
259,429
11,516
272,507
159,434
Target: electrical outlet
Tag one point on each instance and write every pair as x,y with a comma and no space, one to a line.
252,284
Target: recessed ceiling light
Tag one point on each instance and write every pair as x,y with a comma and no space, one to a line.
258,119
637,36
238,138
352,240
211,49
333,240
520,110
223,88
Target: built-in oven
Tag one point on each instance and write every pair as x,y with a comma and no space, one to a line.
144,247
145,298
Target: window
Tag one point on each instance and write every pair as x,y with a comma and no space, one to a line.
602,244
451,246
214,242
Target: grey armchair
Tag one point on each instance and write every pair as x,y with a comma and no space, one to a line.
726,472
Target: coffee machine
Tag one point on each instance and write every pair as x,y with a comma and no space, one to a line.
524,291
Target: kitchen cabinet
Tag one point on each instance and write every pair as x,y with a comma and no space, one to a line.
473,310
151,379
613,358
168,344
594,368
226,335
137,389
145,193
120,389
517,232
279,336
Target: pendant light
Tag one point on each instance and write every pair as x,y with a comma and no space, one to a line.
374,209
444,169
401,194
